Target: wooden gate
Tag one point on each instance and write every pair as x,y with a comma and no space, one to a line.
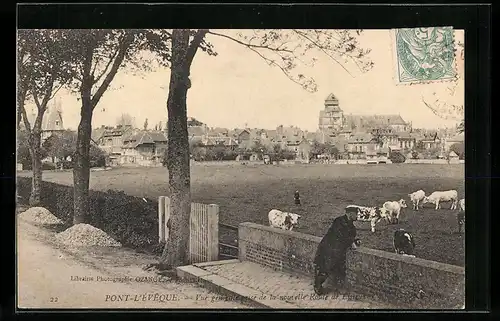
203,229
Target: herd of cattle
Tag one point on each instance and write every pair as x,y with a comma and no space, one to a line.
390,211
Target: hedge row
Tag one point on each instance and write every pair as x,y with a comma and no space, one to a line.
127,219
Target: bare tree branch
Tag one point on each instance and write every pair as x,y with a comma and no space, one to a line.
323,50
58,88
193,46
124,45
248,44
26,121
271,62
111,59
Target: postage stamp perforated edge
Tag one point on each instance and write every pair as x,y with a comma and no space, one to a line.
395,64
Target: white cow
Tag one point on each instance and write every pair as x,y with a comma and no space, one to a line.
283,220
462,204
394,209
416,197
442,196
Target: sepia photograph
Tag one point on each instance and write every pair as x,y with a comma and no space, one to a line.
240,169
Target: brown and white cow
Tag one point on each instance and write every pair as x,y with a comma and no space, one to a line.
283,220
368,214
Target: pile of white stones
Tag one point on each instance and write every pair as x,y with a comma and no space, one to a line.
86,235
39,215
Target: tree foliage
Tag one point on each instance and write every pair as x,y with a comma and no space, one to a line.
397,157
42,70
327,148
62,145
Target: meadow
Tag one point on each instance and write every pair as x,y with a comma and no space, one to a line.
247,193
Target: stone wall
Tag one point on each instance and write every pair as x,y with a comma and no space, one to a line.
409,282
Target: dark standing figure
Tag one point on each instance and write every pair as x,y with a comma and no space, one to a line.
296,197
330,257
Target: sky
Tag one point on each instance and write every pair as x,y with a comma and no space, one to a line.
238,89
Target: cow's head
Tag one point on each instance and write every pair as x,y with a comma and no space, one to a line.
425,200
378,211
291,220
402,203
294,219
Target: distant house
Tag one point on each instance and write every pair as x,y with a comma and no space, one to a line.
376,154
196,133
304,150
218,131
368,122
387,135
406,140
244,135
145,148
111,141
358,145
430,140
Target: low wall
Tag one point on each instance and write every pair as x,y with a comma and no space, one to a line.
410,282
428,161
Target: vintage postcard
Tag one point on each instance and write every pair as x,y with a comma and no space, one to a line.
240,169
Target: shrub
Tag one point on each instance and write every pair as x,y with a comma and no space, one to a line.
127,219
397,157
65,164
48,166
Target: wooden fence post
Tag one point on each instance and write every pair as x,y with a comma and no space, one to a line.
161,217
167,218
213,232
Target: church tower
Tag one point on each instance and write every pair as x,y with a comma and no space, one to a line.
52,122
331,117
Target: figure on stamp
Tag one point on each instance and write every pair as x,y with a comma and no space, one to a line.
425,54
330,256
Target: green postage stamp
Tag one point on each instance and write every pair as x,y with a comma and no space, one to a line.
423,55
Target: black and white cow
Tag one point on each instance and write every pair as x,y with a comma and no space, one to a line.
283,220
368,214
403,242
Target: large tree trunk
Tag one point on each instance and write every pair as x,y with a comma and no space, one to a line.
81,167
36,163
21,97
177,247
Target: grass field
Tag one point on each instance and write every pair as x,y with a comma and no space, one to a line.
247,193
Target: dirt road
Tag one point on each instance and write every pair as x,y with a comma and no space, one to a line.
50,278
